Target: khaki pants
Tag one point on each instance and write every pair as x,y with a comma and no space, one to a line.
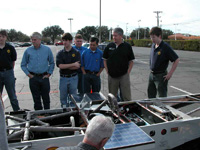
123,83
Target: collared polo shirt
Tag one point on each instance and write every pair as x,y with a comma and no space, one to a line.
38,60
160,57
67,57
118,58
80,49
7,56
92,60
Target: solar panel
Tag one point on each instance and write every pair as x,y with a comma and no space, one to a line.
126,135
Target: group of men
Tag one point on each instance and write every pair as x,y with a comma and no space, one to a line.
80,68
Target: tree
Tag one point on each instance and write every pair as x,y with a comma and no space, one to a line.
52,32
104,33
166,33
22,37
12,35
87,32
143,33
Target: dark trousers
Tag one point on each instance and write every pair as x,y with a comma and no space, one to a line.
157,85
91,82
7,79
80,83
40,88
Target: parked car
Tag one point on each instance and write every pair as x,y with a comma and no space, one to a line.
86,45
59,43
102,46
25,44
11,43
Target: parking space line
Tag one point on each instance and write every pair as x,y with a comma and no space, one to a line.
181,90
5,97
144,62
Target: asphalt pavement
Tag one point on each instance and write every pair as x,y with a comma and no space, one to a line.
185,80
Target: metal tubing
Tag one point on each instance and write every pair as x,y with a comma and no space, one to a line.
55,129
100,106
16,134
15,118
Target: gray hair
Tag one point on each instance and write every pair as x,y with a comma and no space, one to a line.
119,31
100,127
36,35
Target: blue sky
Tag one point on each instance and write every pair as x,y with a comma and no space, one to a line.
34,15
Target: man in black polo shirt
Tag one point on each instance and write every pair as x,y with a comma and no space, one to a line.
68,60
118,61
161,54
8,57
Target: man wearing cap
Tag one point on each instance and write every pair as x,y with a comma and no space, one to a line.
38,64
8,57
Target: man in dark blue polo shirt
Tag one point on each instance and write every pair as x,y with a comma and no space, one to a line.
118,61
92,66
38,64
161,54
78,45
8,57
68,60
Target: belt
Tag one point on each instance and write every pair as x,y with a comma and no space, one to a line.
90,72
157,72
38,74
5,69
68,75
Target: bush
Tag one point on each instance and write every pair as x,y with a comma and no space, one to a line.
190,45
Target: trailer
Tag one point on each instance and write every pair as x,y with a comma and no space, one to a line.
148,124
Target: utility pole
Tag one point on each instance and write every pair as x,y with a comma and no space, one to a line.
100,21
70,19
157,12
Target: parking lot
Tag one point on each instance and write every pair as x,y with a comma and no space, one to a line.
186,79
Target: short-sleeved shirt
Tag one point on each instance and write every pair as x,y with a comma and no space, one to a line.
80,49
67,57
92,60
7,56
118,58
160,57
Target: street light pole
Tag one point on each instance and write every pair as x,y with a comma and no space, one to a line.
70,19
139,29
175,29
126,30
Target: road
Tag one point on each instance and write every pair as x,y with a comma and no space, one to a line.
185,80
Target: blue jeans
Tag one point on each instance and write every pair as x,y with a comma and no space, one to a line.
67,86
91,81
7,79
40,88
